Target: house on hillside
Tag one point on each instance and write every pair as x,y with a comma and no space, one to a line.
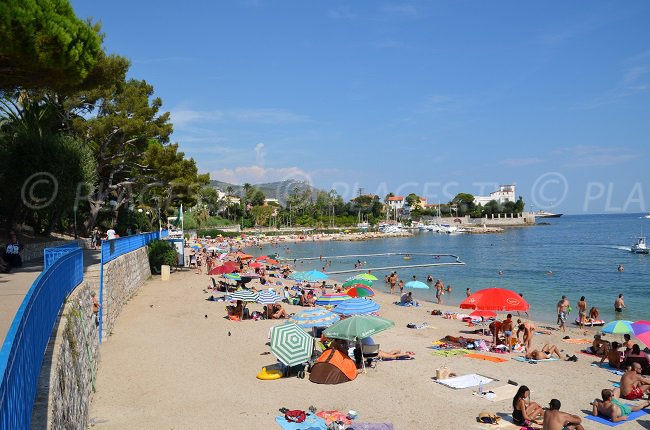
396,203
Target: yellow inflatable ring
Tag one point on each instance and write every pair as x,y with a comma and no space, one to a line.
269,375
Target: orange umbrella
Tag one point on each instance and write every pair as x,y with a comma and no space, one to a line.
495,299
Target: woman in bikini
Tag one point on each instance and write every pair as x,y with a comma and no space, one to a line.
523,409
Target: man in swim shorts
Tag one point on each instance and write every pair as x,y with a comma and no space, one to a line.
555,419
633,384
613,408
507,328
619,303
562,311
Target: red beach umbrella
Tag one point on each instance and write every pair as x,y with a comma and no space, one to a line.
495,299
261,257
227,267
483,314
255,265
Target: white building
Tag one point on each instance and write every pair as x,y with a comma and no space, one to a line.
506,193
396,202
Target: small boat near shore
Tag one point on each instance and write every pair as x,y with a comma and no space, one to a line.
543,214
646,216
590,322
640,247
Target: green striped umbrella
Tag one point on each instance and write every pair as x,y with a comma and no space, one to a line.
366,276
291,344
354,281
617,327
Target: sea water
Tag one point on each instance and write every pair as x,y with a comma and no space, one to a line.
573,256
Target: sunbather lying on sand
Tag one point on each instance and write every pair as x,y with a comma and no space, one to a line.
613,408
545,353
395,354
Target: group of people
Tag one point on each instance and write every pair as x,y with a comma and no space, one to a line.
584,317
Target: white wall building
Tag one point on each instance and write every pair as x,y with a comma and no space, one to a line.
396,202
506,193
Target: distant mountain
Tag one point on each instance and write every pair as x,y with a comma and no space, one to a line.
272,190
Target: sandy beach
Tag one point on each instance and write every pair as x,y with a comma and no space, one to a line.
173,361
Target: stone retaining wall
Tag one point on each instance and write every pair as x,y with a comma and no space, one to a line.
70,363
122,278
34,251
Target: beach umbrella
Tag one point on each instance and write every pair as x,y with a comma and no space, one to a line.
271,261
233,276
357,327
267,297
314,317
354,281
356,307
416,284
314,275
360,291
495,299
255,265
243,295
261,257
195,247
243,256
227,267
642,331
331,299
291,344
366,276
618,327
483,314
296,275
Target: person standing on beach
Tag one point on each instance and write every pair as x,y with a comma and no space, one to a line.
562,308
582,312
439,291
468,292
392,279
619,304
507,328
401,287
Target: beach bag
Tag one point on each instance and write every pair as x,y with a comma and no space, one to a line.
442,372
295,416
436,312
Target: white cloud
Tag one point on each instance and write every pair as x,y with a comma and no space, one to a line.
591,156
258,174
400,10
184,117
632,75
520,162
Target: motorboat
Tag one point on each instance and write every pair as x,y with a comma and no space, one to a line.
640,246
543,214
646,216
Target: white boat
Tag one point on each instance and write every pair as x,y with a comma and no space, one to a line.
543,214
640,246
646,216
391,228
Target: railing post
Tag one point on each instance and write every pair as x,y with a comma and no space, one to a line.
101,292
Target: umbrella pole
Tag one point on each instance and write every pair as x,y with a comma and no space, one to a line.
363,362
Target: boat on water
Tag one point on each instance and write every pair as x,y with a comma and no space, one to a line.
646,216
640,246
543,214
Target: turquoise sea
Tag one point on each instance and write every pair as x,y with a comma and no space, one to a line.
582,252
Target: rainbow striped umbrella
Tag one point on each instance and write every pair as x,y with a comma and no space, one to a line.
618,327
360,291
331,299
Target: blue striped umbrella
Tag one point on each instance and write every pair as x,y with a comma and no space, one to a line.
356,307
243,295
332,299
416,284
314,317
267,297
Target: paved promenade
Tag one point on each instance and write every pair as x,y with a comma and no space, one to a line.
15,285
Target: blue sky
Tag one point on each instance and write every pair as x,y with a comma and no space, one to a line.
428,97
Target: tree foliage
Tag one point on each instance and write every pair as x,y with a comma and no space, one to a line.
45,45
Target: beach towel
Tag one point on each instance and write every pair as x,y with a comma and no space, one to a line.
450,352
504,392
578,341
608,422
372,426
465,381
312,422
609,368
530,360
486,358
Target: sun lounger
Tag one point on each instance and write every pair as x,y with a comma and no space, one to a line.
608,422
530,360
465,381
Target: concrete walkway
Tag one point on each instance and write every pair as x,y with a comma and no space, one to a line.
15,285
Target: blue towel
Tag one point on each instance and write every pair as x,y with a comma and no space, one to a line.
529,360
312,422
608,422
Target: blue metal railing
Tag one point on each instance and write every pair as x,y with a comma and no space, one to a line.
111,249
50,255
24,347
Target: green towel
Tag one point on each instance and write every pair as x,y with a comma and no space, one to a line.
450,352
